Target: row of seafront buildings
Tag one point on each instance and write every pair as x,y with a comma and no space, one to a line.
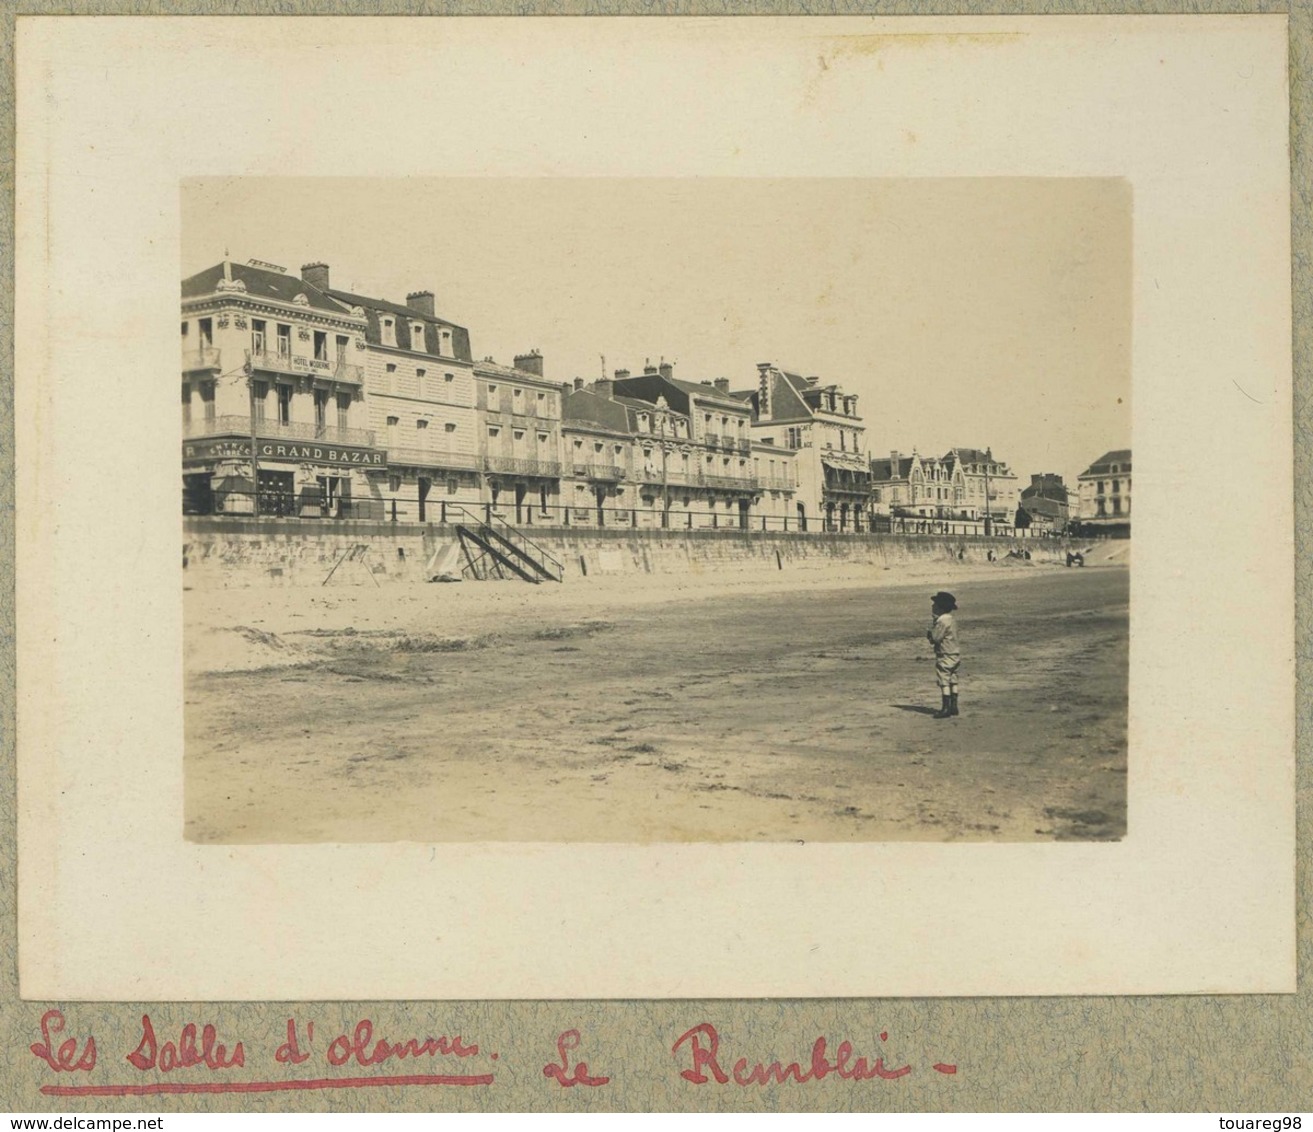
303,400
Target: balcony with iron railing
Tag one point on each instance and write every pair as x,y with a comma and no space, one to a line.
711,439
744,445
733,483
206,358
607,473
515,465
411,457
271,429
328,369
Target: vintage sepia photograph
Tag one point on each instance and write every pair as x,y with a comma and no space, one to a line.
656,510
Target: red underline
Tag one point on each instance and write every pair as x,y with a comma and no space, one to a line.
257,1086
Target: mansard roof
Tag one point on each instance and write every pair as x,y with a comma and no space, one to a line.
1103,465
261,283
404,316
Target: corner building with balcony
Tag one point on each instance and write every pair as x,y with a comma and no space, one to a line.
273,388
419,384
1103,502
519,444
819,423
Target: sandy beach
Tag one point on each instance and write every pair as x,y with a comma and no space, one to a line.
791,706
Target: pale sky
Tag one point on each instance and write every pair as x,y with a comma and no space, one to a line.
973,312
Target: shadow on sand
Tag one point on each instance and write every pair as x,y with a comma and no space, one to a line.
918,708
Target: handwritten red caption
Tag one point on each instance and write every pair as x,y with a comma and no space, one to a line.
560,1073
200,1047
702,1045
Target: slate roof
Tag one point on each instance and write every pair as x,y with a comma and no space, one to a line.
880,469
583,407
708,391
972,456
786,400
1103,465
261,283
638,405
1050,491
1049,508
404,316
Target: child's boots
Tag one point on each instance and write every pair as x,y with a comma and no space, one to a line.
952,703
946,708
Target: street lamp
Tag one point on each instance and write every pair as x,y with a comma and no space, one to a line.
255,443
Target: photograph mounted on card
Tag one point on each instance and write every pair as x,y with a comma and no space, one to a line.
720,597
701,518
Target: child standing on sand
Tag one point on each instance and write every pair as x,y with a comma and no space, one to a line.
943,635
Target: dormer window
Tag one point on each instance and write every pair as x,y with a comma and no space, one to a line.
388,331
446,342
417,337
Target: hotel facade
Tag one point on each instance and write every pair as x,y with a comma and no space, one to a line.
302,400
274,416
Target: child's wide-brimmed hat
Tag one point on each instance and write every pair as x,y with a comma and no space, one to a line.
945,598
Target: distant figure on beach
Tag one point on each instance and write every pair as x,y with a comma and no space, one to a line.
948,656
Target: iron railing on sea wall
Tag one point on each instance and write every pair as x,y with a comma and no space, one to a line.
273,504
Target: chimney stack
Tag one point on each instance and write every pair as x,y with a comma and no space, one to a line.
421,302
763,390
813,381
532,362
894,457
722,383
604,388
316,274
667,370
621,374
649,370
578,383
